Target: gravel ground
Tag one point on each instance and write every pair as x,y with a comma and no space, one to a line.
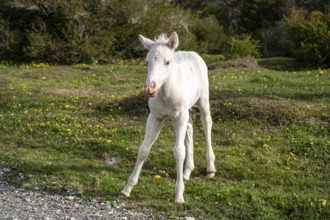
30,204
27,204
20,203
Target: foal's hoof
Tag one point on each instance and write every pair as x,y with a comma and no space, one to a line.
125,192
179,200
186,175
210,174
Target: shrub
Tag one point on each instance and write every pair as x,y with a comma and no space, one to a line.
9,41
209,34
39,46
274,41
66,32
243,46
149,19
310,36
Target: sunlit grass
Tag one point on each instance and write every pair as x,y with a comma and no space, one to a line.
59,124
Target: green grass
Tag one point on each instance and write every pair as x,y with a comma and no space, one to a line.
270,135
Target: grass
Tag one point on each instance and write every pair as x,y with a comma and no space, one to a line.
59,124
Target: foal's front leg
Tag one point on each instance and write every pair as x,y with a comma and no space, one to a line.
152,130
180,124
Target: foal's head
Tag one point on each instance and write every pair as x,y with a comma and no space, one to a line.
159,58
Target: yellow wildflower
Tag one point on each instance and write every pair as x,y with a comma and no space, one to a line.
323,202
157,177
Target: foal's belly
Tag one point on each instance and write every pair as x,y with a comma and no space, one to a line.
163,108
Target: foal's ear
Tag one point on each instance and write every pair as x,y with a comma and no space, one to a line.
173,42
147,43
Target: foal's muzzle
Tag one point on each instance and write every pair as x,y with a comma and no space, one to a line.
150,88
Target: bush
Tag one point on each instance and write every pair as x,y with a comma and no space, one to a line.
210,35
149,19
243,46
40,46
9,41
274,41
66,32
77,31
310,36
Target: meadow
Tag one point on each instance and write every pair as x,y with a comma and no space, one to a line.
77,128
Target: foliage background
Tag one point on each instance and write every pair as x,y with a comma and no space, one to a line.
79,31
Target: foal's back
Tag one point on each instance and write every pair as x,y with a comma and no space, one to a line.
195,74
192,60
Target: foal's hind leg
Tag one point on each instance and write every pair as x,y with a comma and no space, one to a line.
189,167
204,108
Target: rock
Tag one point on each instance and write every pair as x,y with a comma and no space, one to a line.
188,218
76,193
112,160
63,190
70,198
20,176
5,169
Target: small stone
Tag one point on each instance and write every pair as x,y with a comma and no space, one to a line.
70,198
76,193
6,169
63,190
112,160
188,218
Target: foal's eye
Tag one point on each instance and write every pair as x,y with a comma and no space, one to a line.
167,63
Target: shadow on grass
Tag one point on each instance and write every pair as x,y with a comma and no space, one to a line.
273,109
281,64
133,105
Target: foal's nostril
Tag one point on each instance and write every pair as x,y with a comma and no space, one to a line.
150,84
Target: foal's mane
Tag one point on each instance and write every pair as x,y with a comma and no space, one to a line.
161,39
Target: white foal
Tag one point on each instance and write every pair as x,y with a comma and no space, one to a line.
176,82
